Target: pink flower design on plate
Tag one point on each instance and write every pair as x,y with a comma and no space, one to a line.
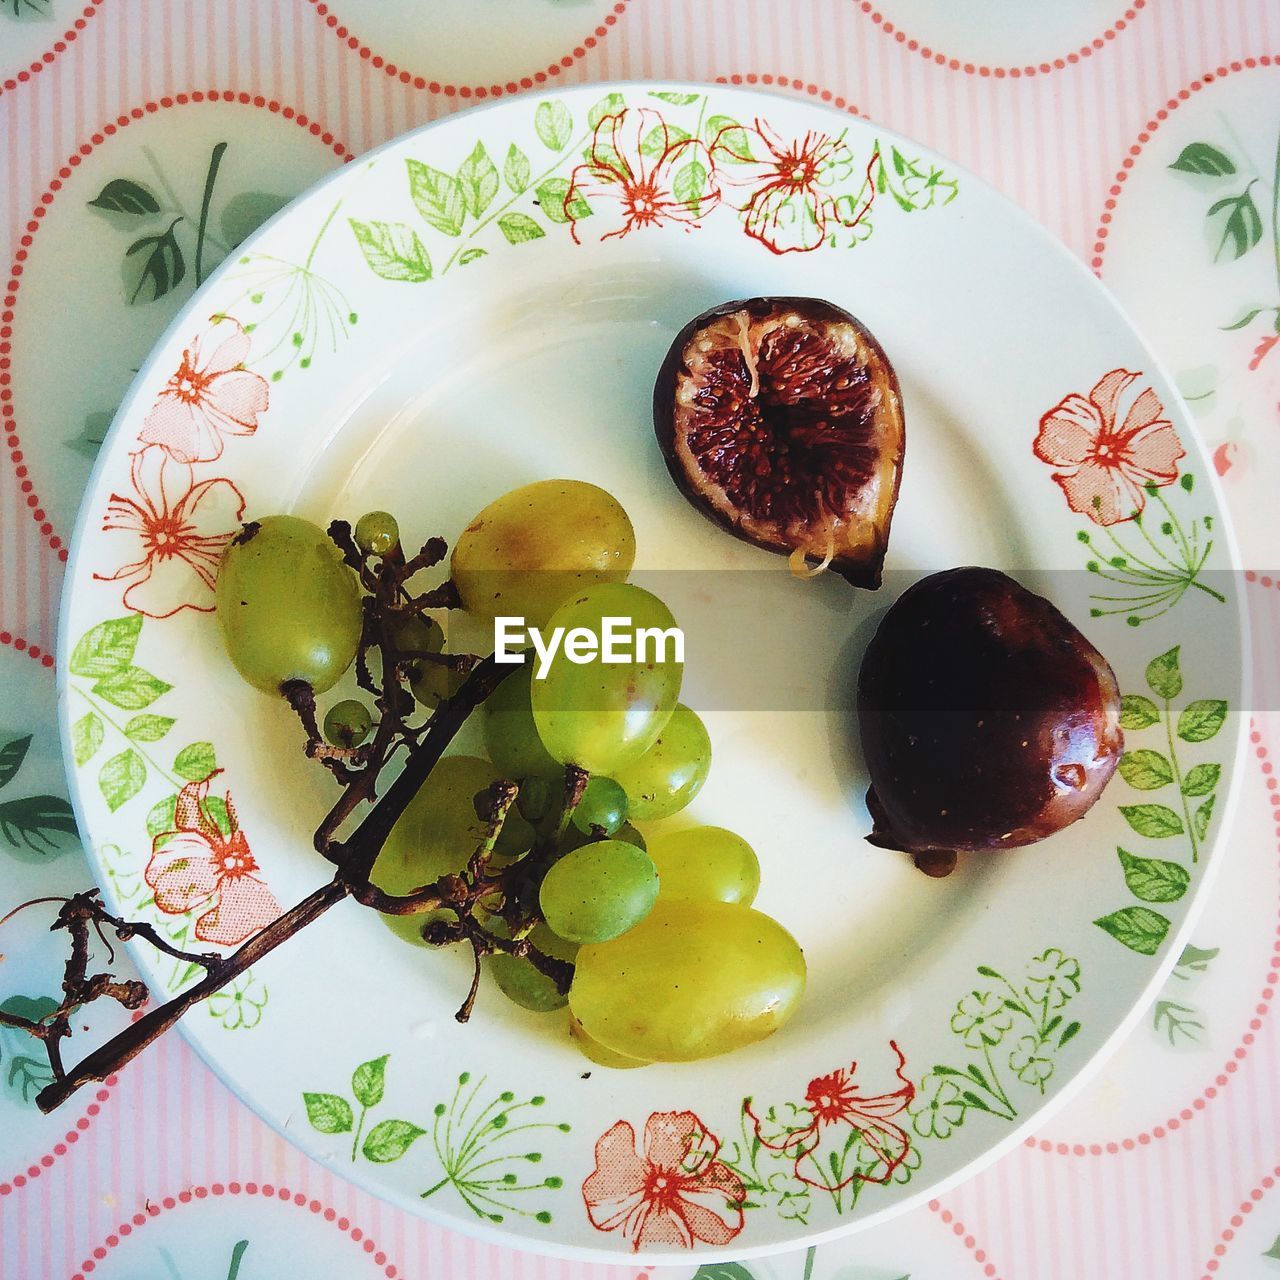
174,529
792,207
640,175
835,1107
676,1193
195,866
1106,448
210,395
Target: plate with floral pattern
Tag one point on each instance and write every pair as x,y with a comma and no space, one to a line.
483,303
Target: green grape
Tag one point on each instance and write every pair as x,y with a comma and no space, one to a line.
377,533
705,864
287,606
597,1053
347,723
429,681
528,987
603,804
418,633
692,980
598,891
575,838
629,834
671,772
433,682
510,736
536,546
602,715
434,836
537,795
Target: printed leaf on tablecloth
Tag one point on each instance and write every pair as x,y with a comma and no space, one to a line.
122,195
1205,159
12,754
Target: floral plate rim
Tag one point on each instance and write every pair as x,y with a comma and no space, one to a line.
131,409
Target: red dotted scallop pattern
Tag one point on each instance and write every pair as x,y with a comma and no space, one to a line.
790,82
51,55
1149,129
1001,73
266,1191
464,91
967,1239
23,646
60,1149
1247,1206
1241,1051
1262,579
8,423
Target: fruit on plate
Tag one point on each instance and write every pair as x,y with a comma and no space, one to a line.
597,1053
603,715
377,533
287,606
781,420
430,681
705,864
603,807
671,976
691,980
435,835
987,720
531,549
347,724
510,736
598,891
671,773
527,986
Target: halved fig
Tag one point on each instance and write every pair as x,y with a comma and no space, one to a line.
987,720
781,420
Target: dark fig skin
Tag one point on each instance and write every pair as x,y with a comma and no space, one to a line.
987,720
861,570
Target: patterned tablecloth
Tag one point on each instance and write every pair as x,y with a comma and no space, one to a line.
1147,137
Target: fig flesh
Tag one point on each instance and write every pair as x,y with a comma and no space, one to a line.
781,420
987,720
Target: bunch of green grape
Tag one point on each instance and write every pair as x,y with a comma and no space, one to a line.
671,961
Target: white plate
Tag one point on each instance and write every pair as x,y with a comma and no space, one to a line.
442,321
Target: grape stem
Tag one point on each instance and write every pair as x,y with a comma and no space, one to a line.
509,893
338,760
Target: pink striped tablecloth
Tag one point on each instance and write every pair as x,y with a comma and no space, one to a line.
1166,1165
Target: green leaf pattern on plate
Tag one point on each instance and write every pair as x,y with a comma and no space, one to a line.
481,1141
505,193
393,250
1148,769
1010,1033
120,748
